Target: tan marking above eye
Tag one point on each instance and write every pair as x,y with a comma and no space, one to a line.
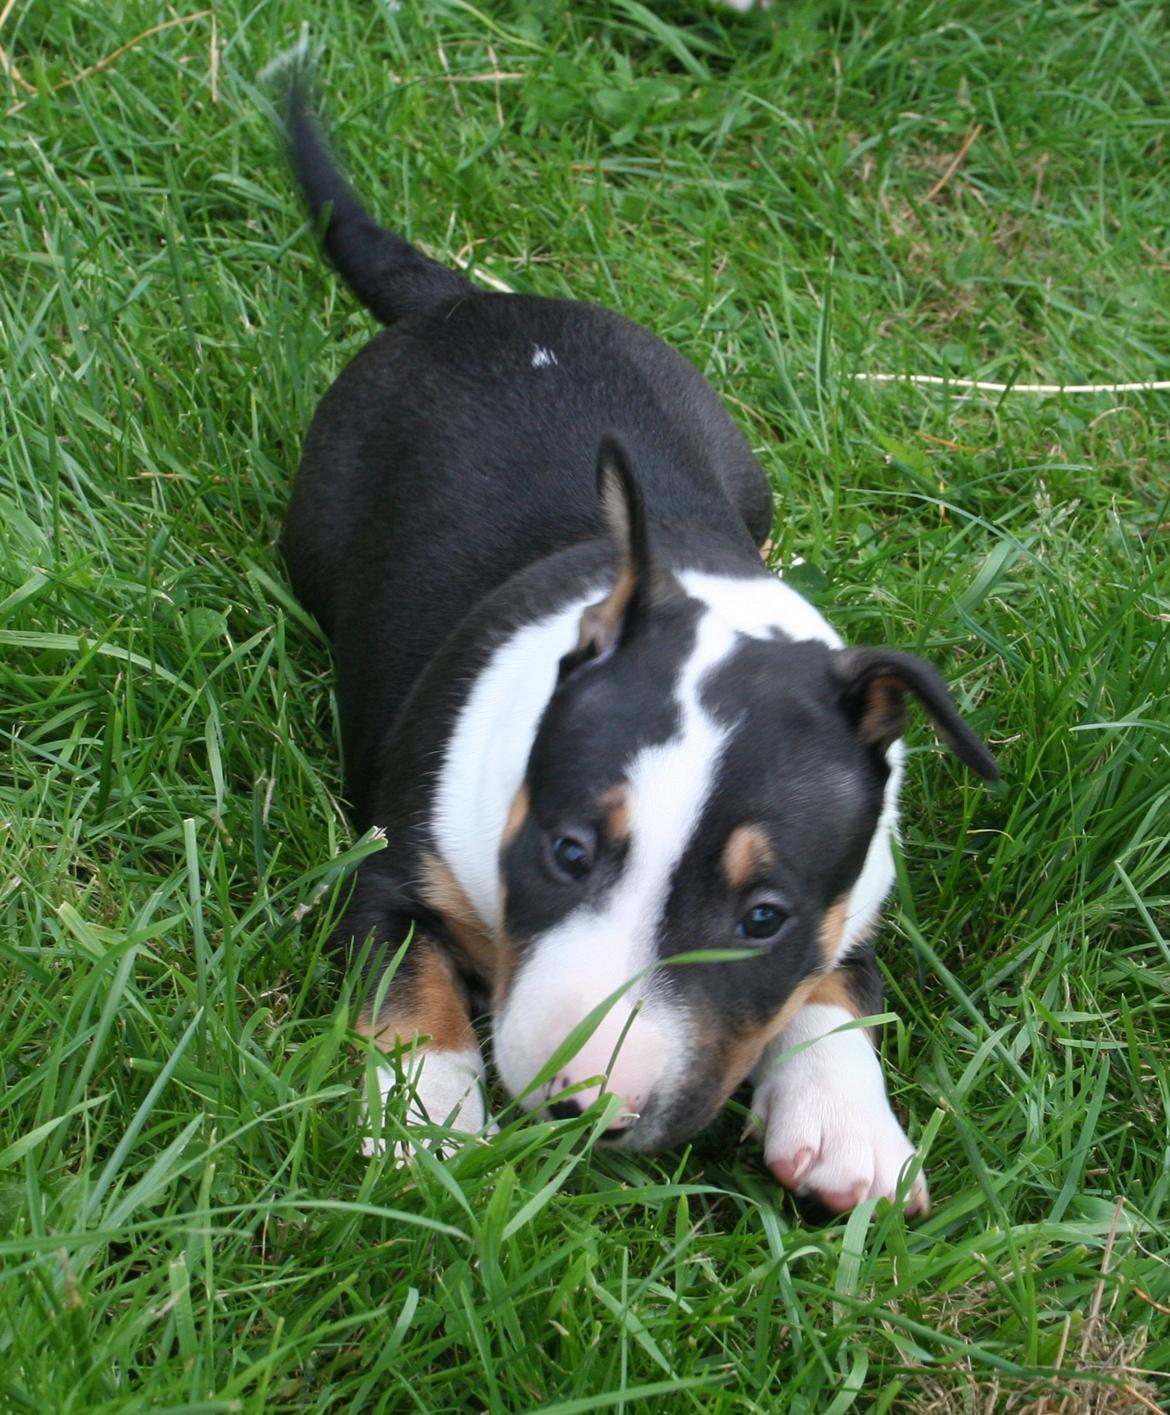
427,1001
747,855
615,813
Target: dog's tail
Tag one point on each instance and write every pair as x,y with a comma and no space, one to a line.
386,273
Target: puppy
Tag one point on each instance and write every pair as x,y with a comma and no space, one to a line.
601,738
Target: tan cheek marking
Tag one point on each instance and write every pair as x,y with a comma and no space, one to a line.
505,949
443,893
746,856
746,1048
615,814
506,955
506,959
832,930
429,1003
832,990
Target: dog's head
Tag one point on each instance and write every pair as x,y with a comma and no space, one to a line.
692,790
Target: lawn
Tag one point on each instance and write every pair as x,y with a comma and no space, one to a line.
798,199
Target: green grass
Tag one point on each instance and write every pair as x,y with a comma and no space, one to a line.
185,1221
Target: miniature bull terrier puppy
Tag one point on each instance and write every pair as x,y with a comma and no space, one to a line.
598,733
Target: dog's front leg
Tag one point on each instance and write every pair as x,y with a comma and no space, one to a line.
419,1017
424,1026
828,1127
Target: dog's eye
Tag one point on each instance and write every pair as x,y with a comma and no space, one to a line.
572,858
762,922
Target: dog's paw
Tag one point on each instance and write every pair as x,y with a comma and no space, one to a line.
445,1088
827,1125
839,1153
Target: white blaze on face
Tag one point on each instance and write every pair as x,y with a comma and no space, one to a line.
577,965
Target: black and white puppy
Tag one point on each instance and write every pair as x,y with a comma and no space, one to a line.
598,733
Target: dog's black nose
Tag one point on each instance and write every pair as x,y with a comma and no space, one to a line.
571,1108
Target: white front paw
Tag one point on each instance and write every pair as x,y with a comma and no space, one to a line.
828,1127
445,1088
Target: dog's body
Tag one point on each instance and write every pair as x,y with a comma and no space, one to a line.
599,735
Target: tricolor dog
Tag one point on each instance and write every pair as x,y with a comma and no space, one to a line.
599,735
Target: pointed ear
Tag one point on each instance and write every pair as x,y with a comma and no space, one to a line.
874,684
610,622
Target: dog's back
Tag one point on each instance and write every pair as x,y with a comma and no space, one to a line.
460,445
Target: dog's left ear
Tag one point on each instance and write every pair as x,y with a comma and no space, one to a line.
612,621
874,684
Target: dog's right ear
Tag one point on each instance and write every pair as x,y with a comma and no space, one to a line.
610,622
